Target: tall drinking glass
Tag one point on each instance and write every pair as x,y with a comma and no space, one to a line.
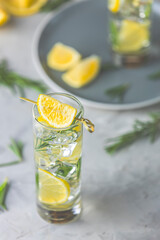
129,29
57,155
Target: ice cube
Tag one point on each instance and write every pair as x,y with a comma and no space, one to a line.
43,163
54,152
65,137
67,150
65,170
40,131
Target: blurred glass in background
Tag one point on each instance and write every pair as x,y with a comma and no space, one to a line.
129,29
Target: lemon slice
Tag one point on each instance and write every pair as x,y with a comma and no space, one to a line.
52,190
62,57
83,73
23,7
114,5
133,36
55,113
3,17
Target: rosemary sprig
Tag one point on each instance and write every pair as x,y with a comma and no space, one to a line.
41,144
3,191
79,168
140,130
155,76
52,4
118,92
62,169
17,83
17,148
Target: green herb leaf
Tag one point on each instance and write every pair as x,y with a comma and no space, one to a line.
148,8
78,168
17,83
52,4
150,129
118,92
63,169
37,180
113,33
155,76
41,144
3,191
17,149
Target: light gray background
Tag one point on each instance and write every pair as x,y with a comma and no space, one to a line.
121,193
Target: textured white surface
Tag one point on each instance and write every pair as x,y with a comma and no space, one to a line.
121,193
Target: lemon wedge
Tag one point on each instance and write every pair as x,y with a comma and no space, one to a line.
62,57
83,73
133,36
4,16
52,190
114,5
55,113
22,3
22,7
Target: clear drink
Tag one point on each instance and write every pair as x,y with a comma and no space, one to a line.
58,166
129,28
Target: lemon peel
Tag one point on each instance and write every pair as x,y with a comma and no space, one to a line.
4,16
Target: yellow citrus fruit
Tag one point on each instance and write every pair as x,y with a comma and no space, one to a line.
62,57
4,16
114,5
83,73
23,7
55,113
133,36
40,119
52,190
22,3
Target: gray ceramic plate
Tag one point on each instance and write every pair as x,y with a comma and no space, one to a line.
83,25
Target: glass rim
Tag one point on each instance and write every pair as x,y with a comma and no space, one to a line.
81,110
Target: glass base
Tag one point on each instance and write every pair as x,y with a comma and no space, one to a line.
129,60
65,216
